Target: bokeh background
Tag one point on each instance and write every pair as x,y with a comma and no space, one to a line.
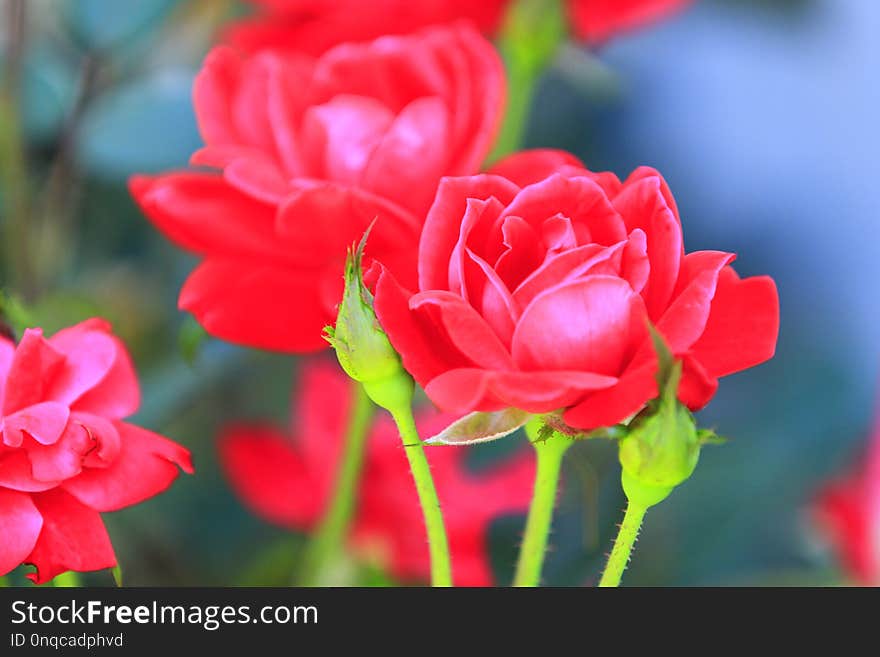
762,115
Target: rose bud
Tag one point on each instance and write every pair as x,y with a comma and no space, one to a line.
360,343
662,444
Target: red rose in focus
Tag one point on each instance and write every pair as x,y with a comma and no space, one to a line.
535,286
66,455
849,512
315,26
289,482
595,21
311,152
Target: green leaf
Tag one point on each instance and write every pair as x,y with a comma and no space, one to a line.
191,338
481,427
116,571
15,315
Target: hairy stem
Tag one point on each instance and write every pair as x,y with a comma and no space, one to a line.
534,546
441,565
623,544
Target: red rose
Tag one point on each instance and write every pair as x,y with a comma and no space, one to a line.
314,26
849,512
535,287
594,21
66,455
311,152
289,482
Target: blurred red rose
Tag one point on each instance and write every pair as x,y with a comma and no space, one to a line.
289,482
311,152
535,286
595,21
313,26
66,456
849,512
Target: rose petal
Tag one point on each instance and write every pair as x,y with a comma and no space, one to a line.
35,361
441,231
44,422
742,327
203,213
697,386
643,206
270,477
63,459
567,267
423,351
146,465
685,319
73,537
615,404
16,473
257,304
464,328
340,136
408,162
467,389
530,166
587,325
580,199
319,223
7,352
20,524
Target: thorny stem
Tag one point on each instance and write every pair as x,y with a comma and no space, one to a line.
623,544
441,565
534,546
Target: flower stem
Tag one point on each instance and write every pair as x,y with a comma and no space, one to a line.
530,38
521,81
623,544
441,566
69,579
534,545
13,158
327,541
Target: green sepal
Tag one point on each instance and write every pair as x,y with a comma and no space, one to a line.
361,345
661,447
709,437
643,494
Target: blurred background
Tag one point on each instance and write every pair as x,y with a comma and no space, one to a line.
761,114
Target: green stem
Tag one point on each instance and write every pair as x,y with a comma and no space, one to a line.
534,546
623,544
530,38
13,159
441,566
327,541
521,82
69,579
